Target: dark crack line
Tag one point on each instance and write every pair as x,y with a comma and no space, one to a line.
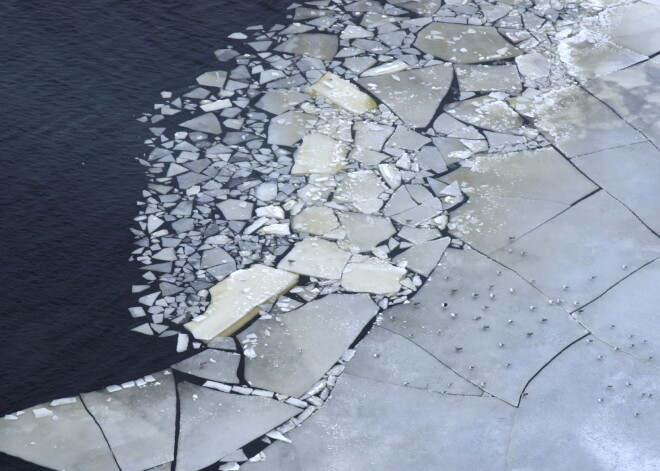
102,432
633,213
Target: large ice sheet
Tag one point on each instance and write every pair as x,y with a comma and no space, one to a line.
213,424
498,347
597,405
236,300
294,350
214,365
372,425
592,254
464,44
60,437
138,422
414,95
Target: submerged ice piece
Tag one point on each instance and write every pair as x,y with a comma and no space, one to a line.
414,95
236,300
343,94
464,44
319,153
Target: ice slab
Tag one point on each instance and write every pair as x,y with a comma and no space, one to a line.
218,263
319,153
374,276
279,101
424,257
316,257
414,95
488,113
317,220
216,78
633,93
488,78
138,422
595,402
361,190
464,44
207,123
236,300
371,135
288,128
390,358
364,232
233,419
633,26
366,422
591,255
631,174
577,123
236,210
61,437
320,46
343,94
296,349
214,365
498,348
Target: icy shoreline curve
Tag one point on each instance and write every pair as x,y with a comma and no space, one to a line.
414,211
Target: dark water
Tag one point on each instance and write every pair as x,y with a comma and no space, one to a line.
74,75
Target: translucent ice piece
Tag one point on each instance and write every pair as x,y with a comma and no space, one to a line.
321,46
319,153
343,94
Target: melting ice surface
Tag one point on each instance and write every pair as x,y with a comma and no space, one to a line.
396,182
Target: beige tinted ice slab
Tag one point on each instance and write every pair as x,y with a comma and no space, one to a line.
343,94
390,358
632,175
373,276
414,95
487,113
207,123
361,190
423,258
214,424
214,365
633,26
321,46
236,300
577,123
366,424
498,348
583,249
288,128
316,257
364,231
488,78
464,44
279,101
316,220
138,419
60,437
633,93
598,403
319,153
294,351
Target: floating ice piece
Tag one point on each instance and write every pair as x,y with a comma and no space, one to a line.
288,128
207,123
361,189
316,257
319,153
305,343
216,78
213,365
371,135
367,156
430,158
390,358
373,276
236,300
387,68
317,220
423,258
137,419
279,101
321,46
421,7
464,44
234,419
419,213
414,95
488,78
218,263
72,441
365,232
343,94
487,113
355,32
533,66
236,210
406,139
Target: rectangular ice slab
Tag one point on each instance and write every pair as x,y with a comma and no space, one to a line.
138,422
294,351
236,300
343,94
